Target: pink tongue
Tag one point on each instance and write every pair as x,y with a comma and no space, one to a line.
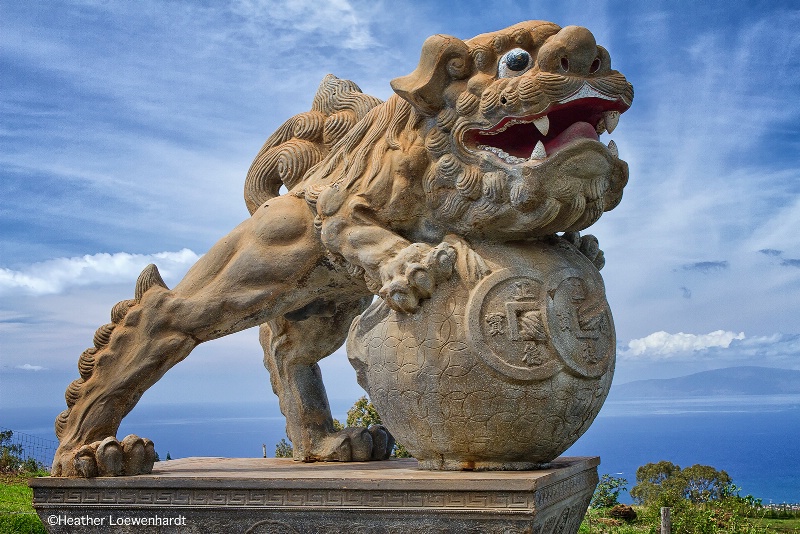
579,130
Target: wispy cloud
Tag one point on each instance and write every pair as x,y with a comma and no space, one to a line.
139,135
337,22
785,347
58,275
706,267
703,186
29,367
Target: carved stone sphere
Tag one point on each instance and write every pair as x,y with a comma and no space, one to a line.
506,365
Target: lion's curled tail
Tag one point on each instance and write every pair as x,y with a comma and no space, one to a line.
305,139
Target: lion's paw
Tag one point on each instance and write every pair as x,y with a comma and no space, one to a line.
356,444
589,246
107,458
411,275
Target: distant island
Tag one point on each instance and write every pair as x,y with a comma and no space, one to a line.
749,380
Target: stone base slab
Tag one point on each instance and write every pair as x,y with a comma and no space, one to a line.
269,495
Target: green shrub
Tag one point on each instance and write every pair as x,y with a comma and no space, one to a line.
666,484
11,457
606,495
701,498
283,449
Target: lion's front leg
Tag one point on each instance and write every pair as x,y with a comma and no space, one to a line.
400,271
292,347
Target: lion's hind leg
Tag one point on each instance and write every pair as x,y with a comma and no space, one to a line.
88,445
270,265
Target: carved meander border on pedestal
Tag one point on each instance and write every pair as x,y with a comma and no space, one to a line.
539,498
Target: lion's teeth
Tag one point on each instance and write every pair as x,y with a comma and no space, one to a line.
542,124
612,147
611,119
502,154
538,151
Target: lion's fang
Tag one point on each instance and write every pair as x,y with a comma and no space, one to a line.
542,124
611,118
538,151
612,147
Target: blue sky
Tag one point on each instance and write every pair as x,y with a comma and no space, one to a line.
127,129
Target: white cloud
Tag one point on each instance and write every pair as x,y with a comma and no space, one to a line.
59,274
778,350
663,344
29,367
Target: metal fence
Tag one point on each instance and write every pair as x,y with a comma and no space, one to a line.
26,446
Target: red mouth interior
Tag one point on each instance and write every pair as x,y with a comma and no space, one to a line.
574,120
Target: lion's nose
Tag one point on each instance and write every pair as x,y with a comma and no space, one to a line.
572,50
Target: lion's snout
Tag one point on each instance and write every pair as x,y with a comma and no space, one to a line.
573,51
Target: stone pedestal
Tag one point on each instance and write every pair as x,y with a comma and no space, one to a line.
253,495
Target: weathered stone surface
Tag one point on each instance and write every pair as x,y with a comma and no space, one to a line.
205,495
489,147
504,370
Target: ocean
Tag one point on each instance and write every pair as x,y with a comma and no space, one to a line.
756,439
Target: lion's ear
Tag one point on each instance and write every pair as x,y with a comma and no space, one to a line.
444,58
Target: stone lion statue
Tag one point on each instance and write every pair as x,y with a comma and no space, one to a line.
494,139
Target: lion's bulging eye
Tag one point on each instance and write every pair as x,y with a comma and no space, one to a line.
517,59
513,63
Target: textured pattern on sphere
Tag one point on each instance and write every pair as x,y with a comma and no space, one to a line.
446,398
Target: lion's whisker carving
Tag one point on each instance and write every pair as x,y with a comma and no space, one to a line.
446,201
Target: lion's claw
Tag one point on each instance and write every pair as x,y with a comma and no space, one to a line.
109,458
589,246
400,298
382,442
412,275
419,277
443,260
138,455
353,444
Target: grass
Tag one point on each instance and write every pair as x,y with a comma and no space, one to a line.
783,526
17,515
598,521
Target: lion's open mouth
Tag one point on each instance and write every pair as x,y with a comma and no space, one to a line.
517,140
